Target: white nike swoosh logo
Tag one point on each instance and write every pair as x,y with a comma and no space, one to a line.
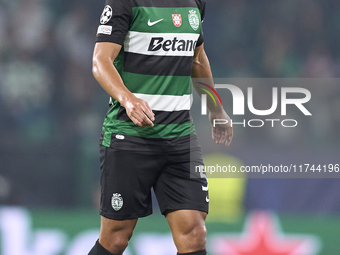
150,24
205,188
207,199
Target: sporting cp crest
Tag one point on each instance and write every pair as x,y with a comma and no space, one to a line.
177,19
117,201
194,20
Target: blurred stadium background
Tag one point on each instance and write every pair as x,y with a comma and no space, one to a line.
52,110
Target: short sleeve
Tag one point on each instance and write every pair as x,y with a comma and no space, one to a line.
201,7
115,21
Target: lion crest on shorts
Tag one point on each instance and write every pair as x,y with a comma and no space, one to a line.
116,201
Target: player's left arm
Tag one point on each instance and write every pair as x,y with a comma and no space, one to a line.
201,69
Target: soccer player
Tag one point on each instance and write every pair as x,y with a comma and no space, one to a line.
146,53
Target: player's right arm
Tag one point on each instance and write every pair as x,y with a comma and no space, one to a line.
116,19
108,77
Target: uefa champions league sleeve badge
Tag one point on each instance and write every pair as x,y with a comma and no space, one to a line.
106,15
117,201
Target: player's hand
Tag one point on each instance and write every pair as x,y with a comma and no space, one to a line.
139,112
221,133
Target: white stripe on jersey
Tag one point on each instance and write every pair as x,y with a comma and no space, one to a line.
177,44
167,103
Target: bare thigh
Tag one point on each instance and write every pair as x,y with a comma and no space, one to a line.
188,230
115,234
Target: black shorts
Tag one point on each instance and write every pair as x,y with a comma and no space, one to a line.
128,176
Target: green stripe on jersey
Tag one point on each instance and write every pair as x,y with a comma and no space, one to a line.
157,131
157,85
142,15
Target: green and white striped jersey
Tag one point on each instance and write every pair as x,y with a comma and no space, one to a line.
158,39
